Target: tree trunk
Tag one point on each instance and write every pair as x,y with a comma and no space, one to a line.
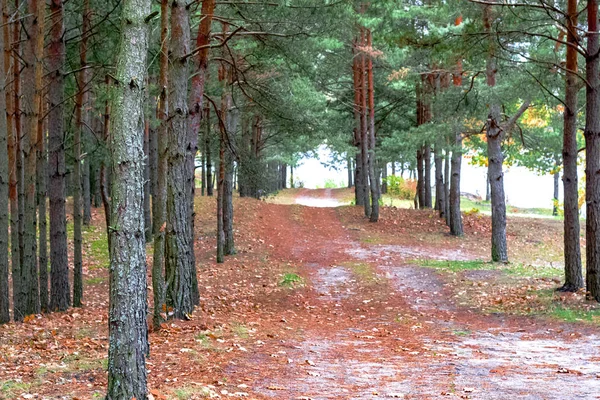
592,160
373,173
440,192
420,177
384,179
207,143
447,163
359,175
12,118
350,172
232,122
179,247
16,184
32,94
572,248
495,135
78,199
147,209
60,294
220,195
4,130
42,193
364,125
556,177
128,330
488,190
159,204
456,226
427,183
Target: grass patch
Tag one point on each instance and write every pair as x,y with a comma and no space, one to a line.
456,266
522,270
94,281
12,389
575,315
291,280
362,271
192,392
240,330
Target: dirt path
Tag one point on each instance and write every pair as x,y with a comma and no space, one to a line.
371,325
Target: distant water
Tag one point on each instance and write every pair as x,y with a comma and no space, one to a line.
523,188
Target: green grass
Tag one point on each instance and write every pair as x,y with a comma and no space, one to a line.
571,315
240,330
456,266
514,269
291,280
13,389
362,271
94,281
467,204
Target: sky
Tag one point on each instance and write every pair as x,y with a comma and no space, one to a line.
523,188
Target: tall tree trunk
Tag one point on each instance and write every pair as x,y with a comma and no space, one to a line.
420,180
447,158
495,156
556,186
359,173
228,188
128,329
159,205
147,205
373,173
207,143
12,119
220,195
104,179
4,296
427,182
179,247
42,193
195,110
592,160
17,251
456,226
440,192
32,94
572,248
350,172
384,179
60,296
364,124
80,125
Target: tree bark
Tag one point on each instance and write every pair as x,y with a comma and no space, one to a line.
364,125
440,192
556,186
373,174
4,296
60,296
427,181
447,158
12,103
179,246
572,230
128,330
32,95
78,198
42,193
350,172
420,196
359,175
592,160
147,205
456,226
159,205
207,143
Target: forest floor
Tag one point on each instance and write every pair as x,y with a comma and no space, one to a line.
321,304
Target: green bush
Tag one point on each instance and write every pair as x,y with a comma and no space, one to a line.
401,188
